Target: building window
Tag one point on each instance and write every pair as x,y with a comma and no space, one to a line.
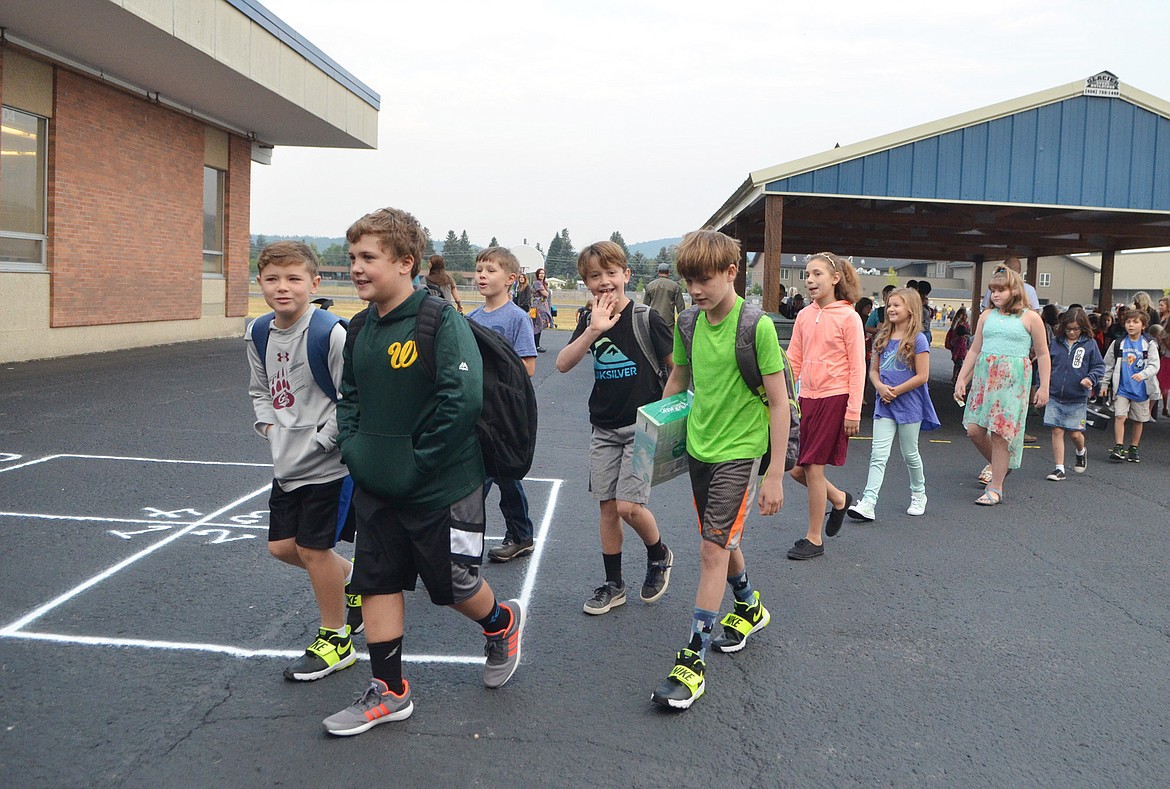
783,273
1044,279
23,177
212,220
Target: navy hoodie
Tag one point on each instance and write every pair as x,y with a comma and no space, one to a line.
1072,363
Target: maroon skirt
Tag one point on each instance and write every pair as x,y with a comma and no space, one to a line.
822,431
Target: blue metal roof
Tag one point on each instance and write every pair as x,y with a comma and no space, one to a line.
1084,151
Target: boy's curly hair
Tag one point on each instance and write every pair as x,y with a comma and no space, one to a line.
398,233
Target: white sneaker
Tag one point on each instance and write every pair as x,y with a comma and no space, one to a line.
917,504
861,510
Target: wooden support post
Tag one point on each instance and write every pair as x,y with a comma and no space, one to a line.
773,232
976,291
741,272
1033,270
1105,296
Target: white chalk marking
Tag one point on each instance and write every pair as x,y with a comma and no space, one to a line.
36,613
223,649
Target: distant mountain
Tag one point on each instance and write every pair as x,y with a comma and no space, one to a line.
650,248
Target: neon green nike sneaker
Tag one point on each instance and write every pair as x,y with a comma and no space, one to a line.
743,621
330,652
684,684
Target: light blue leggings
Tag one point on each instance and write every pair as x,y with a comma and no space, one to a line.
883,439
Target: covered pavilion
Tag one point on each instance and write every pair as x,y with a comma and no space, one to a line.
1084,167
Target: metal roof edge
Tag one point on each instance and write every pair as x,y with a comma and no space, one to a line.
945,200
285,33
740,199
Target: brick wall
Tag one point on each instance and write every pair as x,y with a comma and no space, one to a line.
125,208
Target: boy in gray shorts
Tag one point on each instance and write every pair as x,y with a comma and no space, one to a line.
623,380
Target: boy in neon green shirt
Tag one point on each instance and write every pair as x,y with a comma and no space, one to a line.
727,434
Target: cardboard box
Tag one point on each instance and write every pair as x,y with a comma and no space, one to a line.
660,439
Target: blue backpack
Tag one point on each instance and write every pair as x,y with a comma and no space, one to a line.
320,326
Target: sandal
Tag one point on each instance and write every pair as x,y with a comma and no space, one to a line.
985,475
991,496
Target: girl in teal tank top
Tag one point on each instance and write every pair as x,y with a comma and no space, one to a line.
999,372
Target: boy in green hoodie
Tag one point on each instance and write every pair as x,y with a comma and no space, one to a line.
410,444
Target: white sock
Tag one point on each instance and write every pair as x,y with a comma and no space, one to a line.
1081,452
1060,467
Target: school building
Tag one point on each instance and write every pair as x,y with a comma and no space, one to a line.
129,131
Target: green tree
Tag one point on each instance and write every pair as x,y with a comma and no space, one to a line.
493,242
616,237
429,248
641,269
450,245
891,277
552,261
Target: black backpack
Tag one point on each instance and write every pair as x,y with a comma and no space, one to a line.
749,369
507,422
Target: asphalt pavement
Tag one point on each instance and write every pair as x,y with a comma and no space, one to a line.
144,628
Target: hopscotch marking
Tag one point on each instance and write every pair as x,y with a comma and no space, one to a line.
208,526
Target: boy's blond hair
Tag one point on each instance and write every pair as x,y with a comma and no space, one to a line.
501,255
398,233
705,253
603,254
288,253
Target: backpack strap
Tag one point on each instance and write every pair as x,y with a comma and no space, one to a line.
745,350
642,336
430,318
320,328
686,328
354,329
260,328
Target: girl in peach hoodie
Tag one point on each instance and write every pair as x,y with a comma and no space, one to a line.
827,355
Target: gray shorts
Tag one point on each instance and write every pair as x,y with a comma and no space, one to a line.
1067,416
1133,410
611,466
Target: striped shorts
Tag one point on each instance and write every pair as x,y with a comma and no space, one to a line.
723,497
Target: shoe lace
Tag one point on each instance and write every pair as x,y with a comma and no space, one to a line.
601,592
495,649
368,696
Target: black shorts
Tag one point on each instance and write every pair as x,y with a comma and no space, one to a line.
398,545
317,515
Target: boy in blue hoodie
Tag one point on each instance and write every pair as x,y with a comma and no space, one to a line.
1077,369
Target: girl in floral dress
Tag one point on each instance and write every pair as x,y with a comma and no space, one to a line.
999,372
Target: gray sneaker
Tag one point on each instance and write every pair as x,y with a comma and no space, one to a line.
605,597
657,578
502,650
509,550
377,704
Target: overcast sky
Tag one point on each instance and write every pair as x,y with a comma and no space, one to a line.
516,119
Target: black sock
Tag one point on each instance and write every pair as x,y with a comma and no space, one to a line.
499,619
613,567
537,338
386,662
656,552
